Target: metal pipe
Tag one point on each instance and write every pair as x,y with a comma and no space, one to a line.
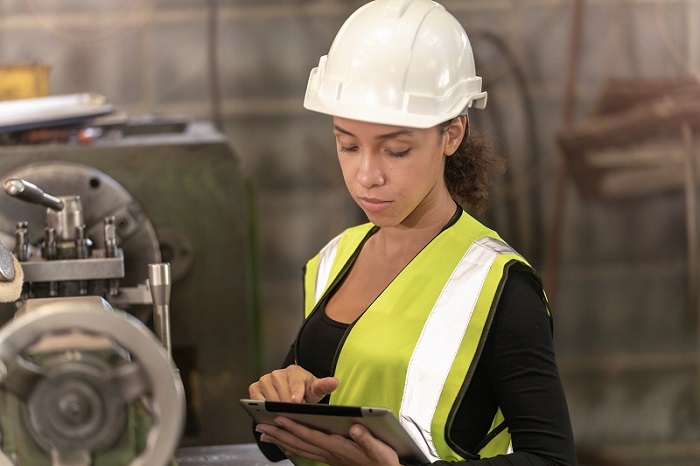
160,283
550,276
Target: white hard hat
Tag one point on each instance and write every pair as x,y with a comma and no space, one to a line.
397,62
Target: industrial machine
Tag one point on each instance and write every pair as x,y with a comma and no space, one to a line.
109,227
82,383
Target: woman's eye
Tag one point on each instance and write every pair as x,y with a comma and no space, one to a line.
402,153
348,149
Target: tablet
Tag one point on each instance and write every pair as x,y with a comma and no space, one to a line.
332,419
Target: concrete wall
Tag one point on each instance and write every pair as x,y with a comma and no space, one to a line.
626,342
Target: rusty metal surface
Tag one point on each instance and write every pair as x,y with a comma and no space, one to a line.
602,152
246,454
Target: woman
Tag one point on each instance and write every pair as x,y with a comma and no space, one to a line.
423,310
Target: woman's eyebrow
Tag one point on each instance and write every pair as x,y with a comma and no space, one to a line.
393,134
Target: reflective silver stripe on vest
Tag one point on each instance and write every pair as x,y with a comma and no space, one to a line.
440,340
325,262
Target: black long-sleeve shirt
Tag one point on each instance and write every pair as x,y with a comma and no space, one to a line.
516,371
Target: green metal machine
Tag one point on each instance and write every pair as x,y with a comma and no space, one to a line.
142,197
82,383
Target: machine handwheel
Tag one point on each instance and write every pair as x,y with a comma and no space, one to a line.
149,374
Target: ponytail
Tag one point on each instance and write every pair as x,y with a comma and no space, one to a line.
470,171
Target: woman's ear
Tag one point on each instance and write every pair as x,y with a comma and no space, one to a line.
454,133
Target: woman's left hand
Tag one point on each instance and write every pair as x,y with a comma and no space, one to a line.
361,449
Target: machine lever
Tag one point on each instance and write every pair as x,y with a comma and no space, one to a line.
29,192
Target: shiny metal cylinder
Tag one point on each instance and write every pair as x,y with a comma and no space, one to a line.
65,221
160,283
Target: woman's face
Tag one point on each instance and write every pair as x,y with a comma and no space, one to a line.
395,174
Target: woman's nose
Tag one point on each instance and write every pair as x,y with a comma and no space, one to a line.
369,172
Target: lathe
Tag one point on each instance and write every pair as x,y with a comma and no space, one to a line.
81,382
162,210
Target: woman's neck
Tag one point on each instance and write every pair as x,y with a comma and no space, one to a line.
417,230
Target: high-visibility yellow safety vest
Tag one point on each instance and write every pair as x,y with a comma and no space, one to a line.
413,348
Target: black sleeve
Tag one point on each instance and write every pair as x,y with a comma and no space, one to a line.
519,364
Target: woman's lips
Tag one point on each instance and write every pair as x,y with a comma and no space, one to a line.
373,205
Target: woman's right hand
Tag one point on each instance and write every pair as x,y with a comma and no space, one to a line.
292,384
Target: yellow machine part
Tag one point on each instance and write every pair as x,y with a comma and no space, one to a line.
24,81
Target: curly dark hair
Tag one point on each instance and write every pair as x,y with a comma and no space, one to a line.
470,171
